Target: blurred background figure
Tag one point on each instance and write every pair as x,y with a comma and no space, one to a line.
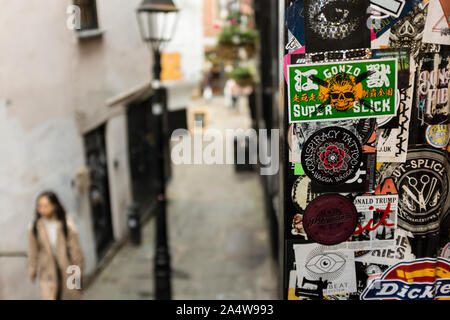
54,250
207,91
231,93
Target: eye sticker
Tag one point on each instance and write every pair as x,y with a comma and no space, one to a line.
325,263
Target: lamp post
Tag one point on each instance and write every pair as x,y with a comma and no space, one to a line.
157,20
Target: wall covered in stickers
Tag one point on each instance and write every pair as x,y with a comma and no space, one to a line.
366,156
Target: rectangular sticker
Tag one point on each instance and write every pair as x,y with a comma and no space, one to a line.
321,273
390,7
432,90
392,142
400,251
345,90
377,222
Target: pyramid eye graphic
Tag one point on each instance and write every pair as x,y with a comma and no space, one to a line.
325,263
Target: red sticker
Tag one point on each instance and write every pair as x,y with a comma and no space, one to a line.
330,219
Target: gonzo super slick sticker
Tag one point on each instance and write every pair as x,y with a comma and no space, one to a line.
342,90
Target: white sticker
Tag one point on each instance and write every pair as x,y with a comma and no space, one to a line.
322,272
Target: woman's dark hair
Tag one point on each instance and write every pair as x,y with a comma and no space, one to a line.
60,212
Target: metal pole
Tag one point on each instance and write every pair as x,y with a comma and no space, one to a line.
162,256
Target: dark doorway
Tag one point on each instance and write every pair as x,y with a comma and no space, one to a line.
143,150
99,189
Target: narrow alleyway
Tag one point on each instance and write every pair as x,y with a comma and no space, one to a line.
219,239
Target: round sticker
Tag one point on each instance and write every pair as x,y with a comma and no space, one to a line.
330,219
422,183
437,135
446,251
331,156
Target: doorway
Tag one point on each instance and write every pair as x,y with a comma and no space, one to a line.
143,150
99,197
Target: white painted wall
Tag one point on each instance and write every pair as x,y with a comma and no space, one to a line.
188,38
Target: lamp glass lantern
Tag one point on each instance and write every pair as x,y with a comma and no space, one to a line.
157,21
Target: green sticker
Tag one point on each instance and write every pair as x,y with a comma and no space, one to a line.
335,91
298,169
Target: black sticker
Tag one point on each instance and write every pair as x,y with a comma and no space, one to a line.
422,183
408,32
433,79
362,128
331,156
336,24
363,180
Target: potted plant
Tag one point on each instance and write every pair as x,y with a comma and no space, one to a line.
242,76
248,39
228,43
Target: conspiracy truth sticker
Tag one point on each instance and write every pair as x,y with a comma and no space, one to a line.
330,219
331,156
299,132
353,89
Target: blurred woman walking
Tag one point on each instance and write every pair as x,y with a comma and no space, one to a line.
54,247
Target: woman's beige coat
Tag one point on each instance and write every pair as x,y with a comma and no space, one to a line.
41,263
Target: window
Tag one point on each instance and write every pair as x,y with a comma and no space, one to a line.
88,9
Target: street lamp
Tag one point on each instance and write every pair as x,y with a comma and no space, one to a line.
157,20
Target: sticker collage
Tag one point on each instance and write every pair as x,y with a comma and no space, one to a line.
367,169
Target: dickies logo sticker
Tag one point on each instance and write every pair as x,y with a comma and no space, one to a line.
423,279
331,156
